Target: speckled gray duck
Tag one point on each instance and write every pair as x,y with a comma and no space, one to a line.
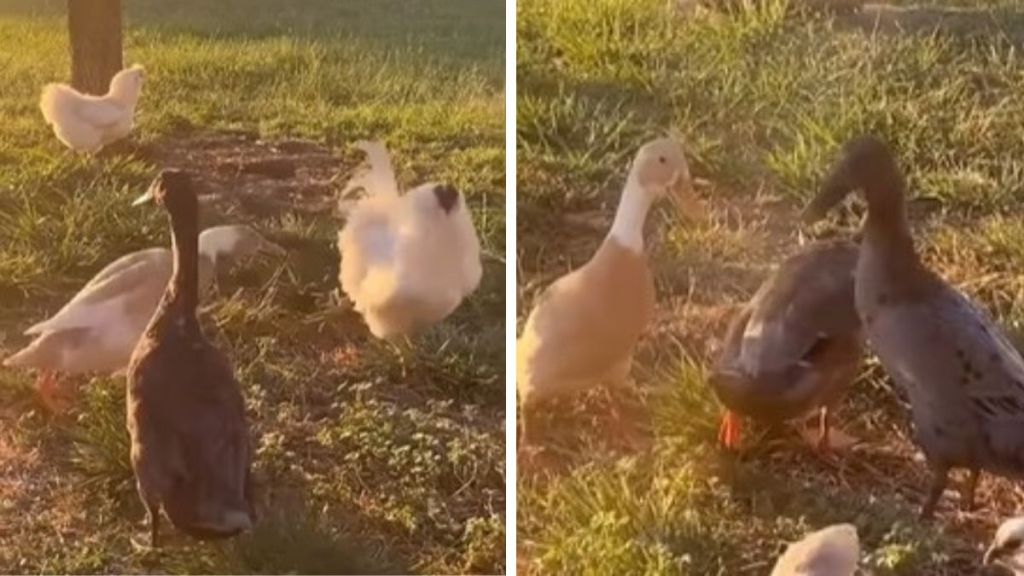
796,346
964,379
190,439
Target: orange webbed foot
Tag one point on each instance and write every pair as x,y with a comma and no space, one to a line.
730,432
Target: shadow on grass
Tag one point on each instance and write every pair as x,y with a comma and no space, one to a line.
437,26
964,22
294,539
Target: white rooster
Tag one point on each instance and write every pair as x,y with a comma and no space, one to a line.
407,260
87,123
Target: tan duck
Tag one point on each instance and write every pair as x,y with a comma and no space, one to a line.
796,346
831,551
583,329
964,378
190,446
96,331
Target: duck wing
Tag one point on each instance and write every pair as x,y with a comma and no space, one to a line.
964,378
807,304
586,322
152,256
132,283
195,418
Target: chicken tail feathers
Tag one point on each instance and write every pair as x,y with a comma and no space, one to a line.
378,179
54,100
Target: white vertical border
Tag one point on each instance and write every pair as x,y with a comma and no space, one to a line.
510,286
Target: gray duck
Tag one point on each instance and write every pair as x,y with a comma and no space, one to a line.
964,379
796,346
190,444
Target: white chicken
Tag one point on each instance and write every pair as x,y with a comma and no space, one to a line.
87,123
407,260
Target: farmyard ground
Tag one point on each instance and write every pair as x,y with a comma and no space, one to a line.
359,468
761,98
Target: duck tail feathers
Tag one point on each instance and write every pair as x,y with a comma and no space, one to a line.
24,358
37,328
228,523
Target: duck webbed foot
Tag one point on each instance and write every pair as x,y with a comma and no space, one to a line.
151,544
938,486
730,431
970,490
626,415
824,424
55,397
531,421
824,435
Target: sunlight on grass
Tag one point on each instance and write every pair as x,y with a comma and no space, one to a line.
394,472
761,93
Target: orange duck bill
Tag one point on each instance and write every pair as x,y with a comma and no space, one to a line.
730,432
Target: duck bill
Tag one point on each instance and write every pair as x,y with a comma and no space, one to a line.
144,199
835,188
148,196
685,200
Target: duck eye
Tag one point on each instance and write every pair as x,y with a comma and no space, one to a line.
661,159
1012,544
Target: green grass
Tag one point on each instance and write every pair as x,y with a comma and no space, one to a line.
761,99
359,467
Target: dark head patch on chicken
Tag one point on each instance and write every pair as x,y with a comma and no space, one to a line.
447,197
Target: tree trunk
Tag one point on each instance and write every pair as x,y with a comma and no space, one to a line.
94,27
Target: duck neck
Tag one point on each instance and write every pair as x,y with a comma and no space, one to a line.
886,224
628,226
183,291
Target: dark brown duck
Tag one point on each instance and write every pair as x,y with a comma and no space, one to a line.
190,438
796,346
964,379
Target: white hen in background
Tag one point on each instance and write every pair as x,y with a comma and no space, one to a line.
87,123
407,260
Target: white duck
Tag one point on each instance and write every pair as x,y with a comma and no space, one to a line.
831,551
1006,548
585,325
407,260
87,123
96,331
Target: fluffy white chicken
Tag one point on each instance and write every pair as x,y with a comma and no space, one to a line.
407,260
87,123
